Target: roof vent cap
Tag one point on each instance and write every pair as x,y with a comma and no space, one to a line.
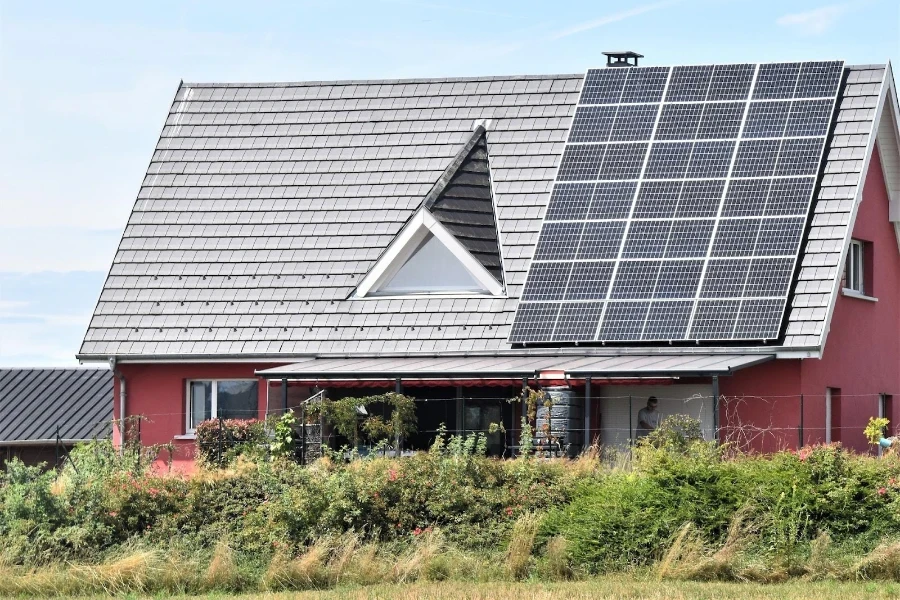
621,58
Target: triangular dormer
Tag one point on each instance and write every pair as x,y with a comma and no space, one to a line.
450,245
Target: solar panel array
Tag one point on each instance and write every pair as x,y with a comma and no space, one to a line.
679,204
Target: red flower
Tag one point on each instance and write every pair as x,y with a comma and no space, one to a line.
113,513
882,491
417,531
392,475
509,511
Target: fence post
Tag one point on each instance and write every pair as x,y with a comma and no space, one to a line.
398,389
303,433
219,442
56,464
715,391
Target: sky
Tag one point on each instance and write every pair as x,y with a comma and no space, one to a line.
86,86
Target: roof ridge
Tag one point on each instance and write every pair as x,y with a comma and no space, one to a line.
311,83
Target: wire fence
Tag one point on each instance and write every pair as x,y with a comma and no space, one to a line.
764,423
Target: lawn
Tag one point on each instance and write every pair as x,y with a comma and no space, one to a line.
617,587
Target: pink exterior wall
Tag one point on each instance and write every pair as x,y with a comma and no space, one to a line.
861,357
158,392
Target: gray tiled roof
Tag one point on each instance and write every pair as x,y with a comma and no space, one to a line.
34,402
265,205
834,210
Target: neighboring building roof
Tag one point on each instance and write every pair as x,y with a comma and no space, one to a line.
265,205
35,402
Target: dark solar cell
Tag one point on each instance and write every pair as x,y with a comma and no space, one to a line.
776,80
679,121
721,120
646,239
634,123
769,277
689,83
746,197
700,198
645,84
819,79
689,238
592,123
714,319
601,240
809,117
790,196
569,201
581,162
678,279
612,200
534,322
759,319
547,281
558,241
710,160
635,279
603,86
756,158
766,119
779,237
623,320
667,320
799,156
668,160
735,237
589,281
657,199
725,278
623,161
731,82
577,321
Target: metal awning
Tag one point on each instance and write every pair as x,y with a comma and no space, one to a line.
515,367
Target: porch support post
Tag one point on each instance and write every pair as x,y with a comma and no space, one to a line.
715,391
588,440
284,396
801,422
398,388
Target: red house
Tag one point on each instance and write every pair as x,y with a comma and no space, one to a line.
723,237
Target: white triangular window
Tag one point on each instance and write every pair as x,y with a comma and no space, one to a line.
426,258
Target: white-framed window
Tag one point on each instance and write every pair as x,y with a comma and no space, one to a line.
855,269
225,398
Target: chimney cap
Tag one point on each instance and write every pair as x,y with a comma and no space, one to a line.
622,58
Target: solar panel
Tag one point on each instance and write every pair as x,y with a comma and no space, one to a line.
679,204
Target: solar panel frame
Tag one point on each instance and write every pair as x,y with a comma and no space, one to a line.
730,162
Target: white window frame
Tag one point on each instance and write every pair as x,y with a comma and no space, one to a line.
407,242
829,392
855,268
214,402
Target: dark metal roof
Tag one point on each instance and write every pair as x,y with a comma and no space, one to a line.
657,365
34,402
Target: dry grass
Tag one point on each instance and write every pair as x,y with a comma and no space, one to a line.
518,556
607,588
556,555
689,559
882,563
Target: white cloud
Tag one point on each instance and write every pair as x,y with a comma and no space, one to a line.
814,22
613,18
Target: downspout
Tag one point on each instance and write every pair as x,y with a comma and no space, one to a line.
122,396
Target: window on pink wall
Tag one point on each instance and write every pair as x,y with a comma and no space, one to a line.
858,276
221,398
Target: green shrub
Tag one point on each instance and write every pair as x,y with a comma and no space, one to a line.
220,441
